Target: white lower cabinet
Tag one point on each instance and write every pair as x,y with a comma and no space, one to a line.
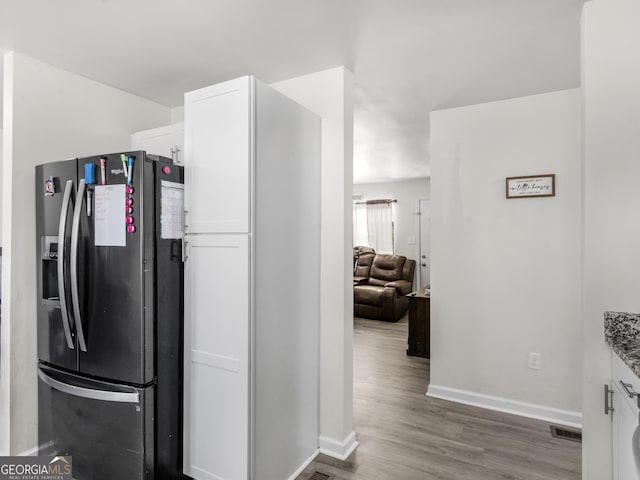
625,423
217,274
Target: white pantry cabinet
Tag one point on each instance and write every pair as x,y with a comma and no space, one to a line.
252,298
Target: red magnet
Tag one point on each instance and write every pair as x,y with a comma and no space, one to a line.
129,220
166,170
129,210
131,229
128,202
129,189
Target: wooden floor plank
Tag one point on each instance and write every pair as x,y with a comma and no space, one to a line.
405,435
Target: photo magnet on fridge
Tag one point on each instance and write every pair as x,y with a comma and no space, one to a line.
49,187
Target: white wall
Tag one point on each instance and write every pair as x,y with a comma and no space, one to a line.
49,115
177,114
330,94
506,274
611,85
407,222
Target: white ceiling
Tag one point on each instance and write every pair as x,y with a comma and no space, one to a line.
409,57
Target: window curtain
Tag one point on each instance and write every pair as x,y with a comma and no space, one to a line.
360,235
380,227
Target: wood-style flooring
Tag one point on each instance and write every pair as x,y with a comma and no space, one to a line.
405,435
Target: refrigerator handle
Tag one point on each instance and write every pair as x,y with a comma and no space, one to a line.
75,297
84,392
62,230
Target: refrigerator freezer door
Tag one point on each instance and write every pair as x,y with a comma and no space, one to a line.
108,429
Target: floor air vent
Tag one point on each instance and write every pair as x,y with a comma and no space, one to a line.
320,476
566,433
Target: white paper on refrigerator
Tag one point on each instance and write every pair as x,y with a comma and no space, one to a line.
110,216
171,210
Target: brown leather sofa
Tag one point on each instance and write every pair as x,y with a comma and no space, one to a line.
380,283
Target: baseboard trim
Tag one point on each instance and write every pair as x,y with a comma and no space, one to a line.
304,465
339,450
514,407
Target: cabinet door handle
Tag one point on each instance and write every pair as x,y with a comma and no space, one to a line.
175,155
608,399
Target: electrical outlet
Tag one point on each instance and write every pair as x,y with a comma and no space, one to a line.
534,361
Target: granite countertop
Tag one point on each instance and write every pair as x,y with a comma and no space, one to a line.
622,333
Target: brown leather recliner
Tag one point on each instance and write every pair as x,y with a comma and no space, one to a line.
363,258
380,285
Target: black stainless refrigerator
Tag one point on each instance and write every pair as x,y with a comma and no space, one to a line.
110,315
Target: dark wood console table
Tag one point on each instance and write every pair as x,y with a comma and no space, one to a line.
419,323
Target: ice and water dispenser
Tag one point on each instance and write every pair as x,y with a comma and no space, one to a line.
49,258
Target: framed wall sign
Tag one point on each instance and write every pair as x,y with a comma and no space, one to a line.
531,186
